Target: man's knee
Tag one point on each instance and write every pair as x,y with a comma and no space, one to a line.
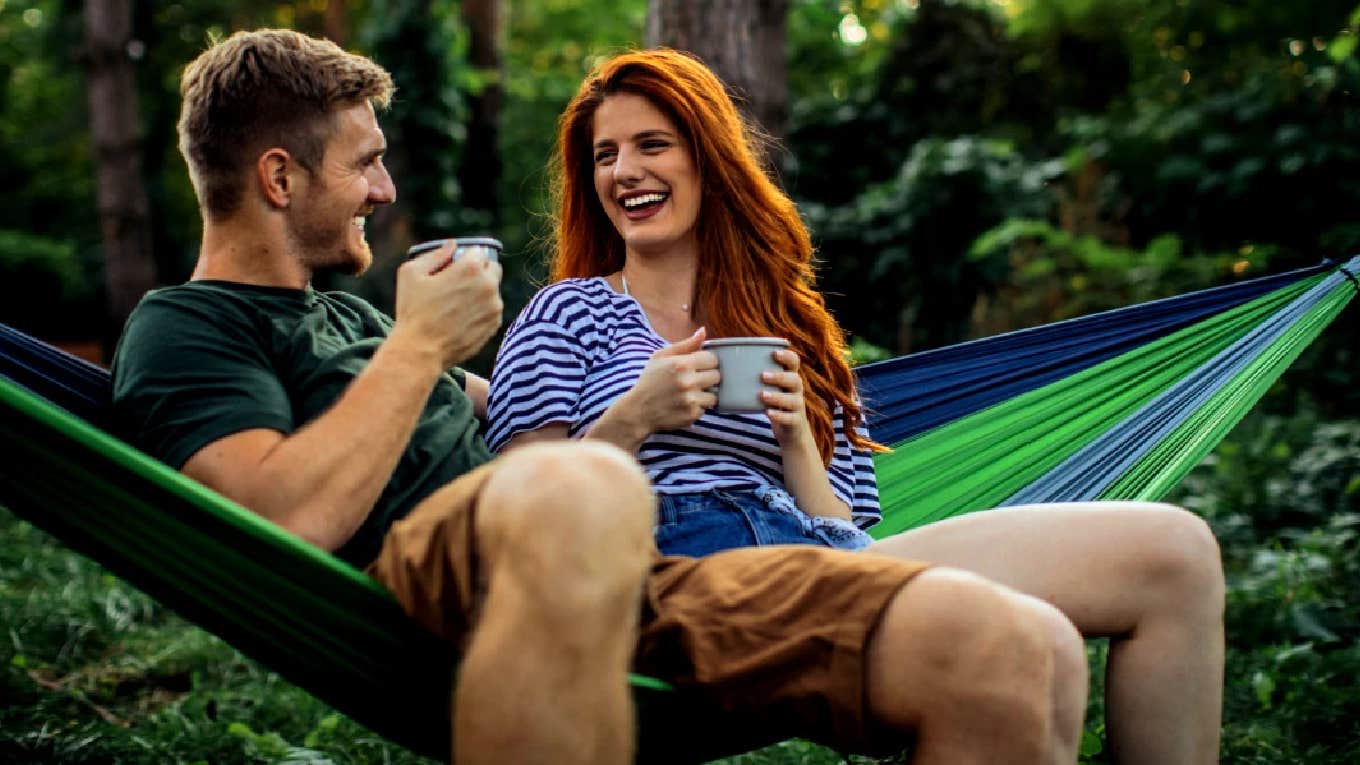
567,486
952,644
571,521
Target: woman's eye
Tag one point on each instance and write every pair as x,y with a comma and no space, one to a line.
603,156
654,145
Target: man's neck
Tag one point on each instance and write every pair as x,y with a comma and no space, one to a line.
248,252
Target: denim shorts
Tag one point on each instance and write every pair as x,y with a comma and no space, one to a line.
719,519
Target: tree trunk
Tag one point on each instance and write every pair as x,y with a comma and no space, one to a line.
481,165
741,40
336,23
124,212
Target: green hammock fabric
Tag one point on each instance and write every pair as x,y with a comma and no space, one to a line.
316,620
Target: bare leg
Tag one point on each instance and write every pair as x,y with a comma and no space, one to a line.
565,536
982,674
1148,576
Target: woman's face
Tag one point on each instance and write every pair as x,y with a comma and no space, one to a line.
645,177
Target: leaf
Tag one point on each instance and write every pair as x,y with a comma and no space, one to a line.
1342,47
242,730
1091,745
1307,624
1264,687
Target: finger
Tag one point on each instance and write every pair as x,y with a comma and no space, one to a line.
787,359
691,344
789,381
707,378
472,258
789,402
430,257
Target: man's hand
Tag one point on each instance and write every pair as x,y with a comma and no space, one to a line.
451,307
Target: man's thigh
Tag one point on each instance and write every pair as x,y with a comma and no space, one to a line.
773,637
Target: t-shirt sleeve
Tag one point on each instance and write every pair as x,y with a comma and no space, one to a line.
186,374
852,475
538,379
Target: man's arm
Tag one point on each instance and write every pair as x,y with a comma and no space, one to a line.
322,481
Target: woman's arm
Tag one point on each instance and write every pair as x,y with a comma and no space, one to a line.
805,475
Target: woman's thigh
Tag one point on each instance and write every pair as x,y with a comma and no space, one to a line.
1099,562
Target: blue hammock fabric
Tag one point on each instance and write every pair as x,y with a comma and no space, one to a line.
912,394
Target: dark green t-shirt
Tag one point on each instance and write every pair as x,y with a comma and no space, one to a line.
204,360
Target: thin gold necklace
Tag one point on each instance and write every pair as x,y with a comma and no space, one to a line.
683,306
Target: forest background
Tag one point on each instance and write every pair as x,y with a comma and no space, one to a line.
967,167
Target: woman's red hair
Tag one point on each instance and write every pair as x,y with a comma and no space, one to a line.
755,275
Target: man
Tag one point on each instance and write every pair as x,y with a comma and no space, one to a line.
358,433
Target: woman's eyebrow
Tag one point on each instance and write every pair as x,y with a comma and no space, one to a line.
652,134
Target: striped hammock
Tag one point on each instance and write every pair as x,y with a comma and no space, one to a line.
1113,405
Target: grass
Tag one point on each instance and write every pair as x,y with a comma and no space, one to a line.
93,671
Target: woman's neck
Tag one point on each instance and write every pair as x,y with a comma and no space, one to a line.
664,286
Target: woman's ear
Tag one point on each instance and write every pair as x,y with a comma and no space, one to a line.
274,172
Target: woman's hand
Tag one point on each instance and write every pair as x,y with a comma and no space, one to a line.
672,392
676,384
787,408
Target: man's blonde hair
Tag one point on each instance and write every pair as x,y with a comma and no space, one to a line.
268,88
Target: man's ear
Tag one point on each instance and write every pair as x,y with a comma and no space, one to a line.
275,172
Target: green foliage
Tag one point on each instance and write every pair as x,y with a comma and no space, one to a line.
907,237
37,273
1054,274
92,670
1282,496
45,158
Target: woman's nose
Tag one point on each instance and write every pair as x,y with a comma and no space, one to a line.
627,168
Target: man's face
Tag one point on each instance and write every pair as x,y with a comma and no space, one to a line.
350,183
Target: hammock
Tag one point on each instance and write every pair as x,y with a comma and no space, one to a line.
1113,405
1116,405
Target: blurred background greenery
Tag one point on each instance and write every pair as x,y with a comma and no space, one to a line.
967,167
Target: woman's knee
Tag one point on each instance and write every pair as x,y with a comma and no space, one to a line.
1182,556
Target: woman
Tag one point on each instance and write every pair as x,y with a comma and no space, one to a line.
667,230
616,347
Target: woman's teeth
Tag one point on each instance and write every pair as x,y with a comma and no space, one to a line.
636,202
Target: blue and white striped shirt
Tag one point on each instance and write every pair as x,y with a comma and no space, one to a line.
579,345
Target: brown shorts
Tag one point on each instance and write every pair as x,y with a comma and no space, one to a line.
773,638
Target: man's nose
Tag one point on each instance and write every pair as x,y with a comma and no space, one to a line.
381,189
